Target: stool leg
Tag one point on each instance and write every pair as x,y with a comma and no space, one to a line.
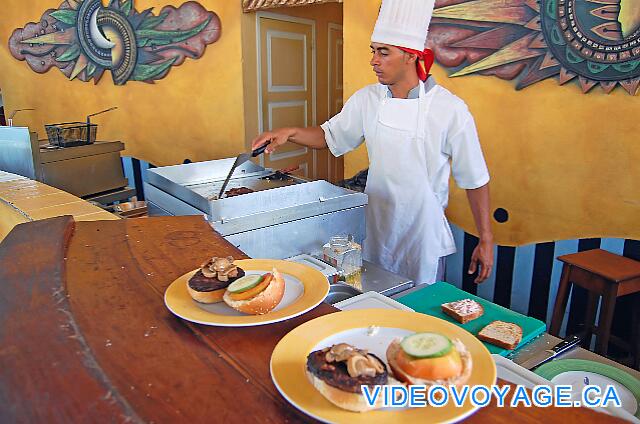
606,317
635,332
561,301
590,318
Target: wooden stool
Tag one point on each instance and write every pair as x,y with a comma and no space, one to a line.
603,274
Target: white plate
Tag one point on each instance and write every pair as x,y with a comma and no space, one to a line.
305,288
289,357
579,379
514,373
371,300
305,259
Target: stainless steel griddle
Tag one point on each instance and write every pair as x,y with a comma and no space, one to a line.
277,220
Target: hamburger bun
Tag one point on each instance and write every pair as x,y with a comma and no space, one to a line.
263,302
214,296
208,284
350,401
447,370
340,372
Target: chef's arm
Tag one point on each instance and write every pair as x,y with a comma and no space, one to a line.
309,137
483,253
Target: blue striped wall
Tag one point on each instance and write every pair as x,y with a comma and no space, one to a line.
526,278
134,171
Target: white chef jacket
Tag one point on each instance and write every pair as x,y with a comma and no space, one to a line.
451,135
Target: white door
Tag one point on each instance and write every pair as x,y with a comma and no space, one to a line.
286,60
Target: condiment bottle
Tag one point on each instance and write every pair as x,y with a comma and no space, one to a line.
346,256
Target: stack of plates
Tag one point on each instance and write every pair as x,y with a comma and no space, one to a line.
578,373
370,300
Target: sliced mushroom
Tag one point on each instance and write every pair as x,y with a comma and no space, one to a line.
222,264
225,268
340,352
375,364
220,268
206,271
359,365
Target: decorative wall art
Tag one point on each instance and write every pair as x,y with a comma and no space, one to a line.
83,39
593,42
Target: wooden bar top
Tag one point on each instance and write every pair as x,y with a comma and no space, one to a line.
25,200
85,335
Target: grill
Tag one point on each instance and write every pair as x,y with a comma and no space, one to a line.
278,219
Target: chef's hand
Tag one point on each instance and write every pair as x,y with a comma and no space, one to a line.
482,257
278,137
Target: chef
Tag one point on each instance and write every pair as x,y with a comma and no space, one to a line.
417,133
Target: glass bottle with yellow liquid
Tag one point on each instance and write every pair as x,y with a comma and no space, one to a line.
346,256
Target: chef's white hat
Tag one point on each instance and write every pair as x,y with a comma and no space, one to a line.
403,23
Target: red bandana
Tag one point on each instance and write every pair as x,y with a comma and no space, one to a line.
424,62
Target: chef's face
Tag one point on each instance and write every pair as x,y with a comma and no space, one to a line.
390,63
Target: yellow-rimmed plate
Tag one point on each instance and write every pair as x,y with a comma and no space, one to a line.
288,362
305,288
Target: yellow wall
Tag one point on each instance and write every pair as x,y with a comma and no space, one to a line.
563,164
196,112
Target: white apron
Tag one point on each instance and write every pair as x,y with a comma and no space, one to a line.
405,221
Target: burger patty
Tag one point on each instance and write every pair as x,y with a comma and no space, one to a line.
238,191
335,373
205,284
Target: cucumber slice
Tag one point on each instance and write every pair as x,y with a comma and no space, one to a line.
245,283
426,345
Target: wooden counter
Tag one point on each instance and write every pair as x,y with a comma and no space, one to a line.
85,335
25,200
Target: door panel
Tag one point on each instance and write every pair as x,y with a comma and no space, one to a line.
287,87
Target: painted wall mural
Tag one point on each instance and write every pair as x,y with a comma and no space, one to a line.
84,39
593,42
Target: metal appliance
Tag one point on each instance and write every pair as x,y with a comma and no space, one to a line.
546,355
242,158
278,219
93,171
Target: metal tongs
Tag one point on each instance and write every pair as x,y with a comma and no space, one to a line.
242,158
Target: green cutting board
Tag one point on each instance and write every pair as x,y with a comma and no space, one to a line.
429,299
